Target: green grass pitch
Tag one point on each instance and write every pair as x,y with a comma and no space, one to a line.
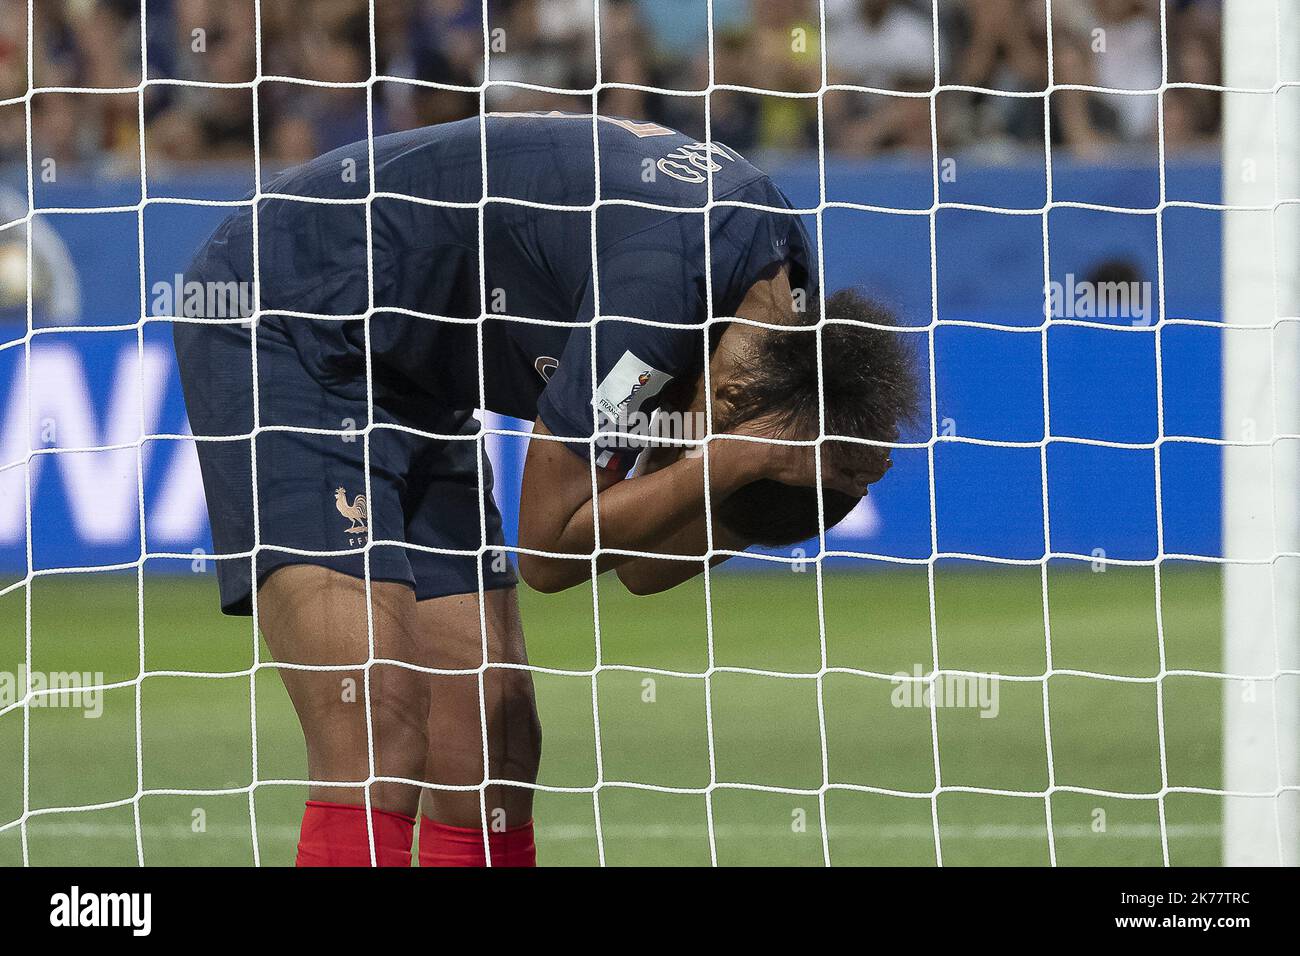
196,732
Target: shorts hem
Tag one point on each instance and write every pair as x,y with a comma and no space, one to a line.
241,605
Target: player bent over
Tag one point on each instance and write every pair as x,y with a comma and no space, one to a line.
339,455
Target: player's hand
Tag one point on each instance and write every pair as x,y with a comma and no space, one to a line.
844,467
797,465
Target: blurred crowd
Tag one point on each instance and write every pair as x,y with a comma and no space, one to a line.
646,50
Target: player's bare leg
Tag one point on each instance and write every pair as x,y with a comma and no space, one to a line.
314,616
453,639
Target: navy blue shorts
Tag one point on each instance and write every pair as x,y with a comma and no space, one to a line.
421,509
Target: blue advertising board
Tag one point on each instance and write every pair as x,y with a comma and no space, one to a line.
1001,383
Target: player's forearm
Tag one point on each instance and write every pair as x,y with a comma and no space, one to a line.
639,514
652,575
644,576
643,512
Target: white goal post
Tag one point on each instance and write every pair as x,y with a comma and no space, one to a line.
1261,409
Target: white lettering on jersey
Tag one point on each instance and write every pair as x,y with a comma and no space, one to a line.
690,163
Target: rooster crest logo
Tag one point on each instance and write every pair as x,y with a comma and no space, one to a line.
357,512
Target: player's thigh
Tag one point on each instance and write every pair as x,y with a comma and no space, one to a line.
325,626
465,588
453,634
314,615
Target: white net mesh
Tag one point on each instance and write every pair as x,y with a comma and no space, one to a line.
20,467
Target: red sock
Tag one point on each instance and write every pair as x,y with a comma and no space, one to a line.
444,845
335,834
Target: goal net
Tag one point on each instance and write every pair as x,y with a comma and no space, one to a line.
1062,630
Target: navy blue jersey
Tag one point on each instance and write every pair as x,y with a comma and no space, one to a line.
446,251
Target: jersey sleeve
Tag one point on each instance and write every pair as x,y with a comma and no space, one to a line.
748,240
645,277
657,275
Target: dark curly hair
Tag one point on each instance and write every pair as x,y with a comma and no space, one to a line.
868,376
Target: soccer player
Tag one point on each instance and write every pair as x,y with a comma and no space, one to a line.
338,446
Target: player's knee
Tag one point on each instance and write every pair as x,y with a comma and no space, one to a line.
337,744
530,734
330,706
345,718
521,727
400,707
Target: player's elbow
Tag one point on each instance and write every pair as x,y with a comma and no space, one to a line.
539,566
549,575
638,583
648,576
